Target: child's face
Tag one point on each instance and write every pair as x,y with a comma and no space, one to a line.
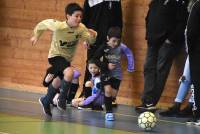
93,69
113,42
75,19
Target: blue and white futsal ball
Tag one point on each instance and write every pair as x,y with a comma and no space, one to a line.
147,121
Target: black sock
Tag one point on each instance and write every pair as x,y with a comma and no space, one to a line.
87,91
190,104
51,92
65,86
196,114
113,99
177,105
72,92
108,104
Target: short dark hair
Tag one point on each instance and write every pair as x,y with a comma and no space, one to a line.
114,32
94,61
72,7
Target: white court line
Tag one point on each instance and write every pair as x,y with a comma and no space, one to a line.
17,100
3,133
34,102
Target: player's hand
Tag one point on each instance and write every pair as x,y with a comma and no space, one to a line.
92,32
111,66
89,84
34,40
86,45
75,103
80,103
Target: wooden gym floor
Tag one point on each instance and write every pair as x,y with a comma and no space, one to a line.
21,113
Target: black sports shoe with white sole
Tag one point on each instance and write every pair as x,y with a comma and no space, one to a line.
46,108
145,107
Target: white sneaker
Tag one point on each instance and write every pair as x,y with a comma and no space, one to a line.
193,122
109,117
197,122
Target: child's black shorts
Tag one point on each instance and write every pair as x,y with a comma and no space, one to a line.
59,64
107,80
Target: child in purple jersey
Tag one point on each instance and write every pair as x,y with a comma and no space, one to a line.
96,100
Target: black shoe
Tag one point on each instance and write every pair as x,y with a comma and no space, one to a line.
145,107
187,111
171,112
97,108
61,105
46,109
89,107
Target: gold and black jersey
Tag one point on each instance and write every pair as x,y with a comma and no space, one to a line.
64,38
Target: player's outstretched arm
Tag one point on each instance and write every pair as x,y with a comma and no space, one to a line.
129,56
34,40
88,35
92,33
48,24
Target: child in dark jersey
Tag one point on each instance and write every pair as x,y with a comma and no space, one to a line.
111,72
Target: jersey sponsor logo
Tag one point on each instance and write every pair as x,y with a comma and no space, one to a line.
70,32
113,58
149,105
78,36
106,50
68,44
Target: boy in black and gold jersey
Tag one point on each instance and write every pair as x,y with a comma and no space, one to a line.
65,38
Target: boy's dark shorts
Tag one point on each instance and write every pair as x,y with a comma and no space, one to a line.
59,64
108,80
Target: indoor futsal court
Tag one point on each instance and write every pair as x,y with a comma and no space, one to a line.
20,113
44,42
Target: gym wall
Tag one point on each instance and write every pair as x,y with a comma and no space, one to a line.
22,66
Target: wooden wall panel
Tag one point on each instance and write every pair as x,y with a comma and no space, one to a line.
22,65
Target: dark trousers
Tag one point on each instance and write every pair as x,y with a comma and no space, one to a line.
195,78
157,66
